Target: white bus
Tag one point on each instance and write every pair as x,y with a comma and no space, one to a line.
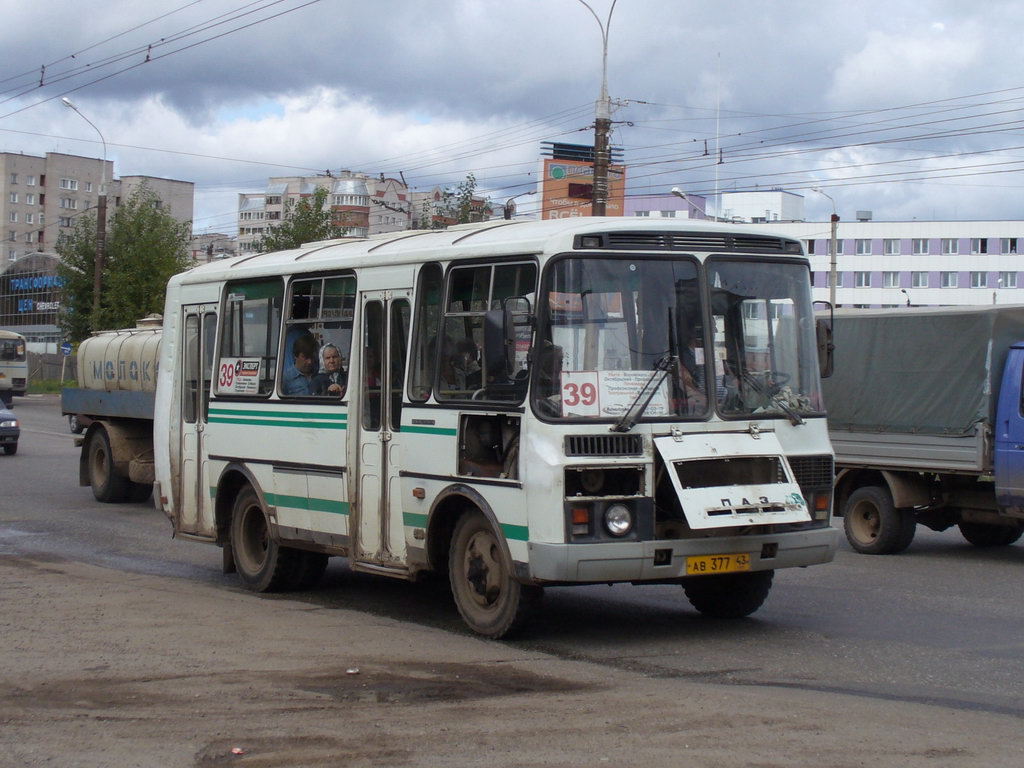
13,366
518,404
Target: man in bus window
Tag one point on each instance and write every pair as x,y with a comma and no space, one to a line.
299,380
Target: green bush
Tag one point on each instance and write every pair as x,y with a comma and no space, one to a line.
49,386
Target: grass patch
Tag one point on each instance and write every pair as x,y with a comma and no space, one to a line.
49,386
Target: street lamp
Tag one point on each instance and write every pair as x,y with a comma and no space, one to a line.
510,208
832,249
683,196
101,215
602,121
904,292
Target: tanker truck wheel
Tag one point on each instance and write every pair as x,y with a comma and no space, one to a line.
873,525
990,535
107,485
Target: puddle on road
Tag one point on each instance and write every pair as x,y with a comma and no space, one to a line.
414,683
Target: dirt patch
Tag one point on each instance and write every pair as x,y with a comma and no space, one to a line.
414,683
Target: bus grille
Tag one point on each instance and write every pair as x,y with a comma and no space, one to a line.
604,445
812,471
693,241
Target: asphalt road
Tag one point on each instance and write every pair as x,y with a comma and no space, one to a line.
940,625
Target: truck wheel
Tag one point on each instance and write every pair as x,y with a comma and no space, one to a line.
107,485
990,535
873,525
490,600
262,564
139,492
729,596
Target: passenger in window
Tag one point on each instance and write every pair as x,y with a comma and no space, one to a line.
298,380
332,380
460,366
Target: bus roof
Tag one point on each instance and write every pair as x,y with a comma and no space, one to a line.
10,335
491,238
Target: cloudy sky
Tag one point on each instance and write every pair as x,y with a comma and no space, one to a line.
908,108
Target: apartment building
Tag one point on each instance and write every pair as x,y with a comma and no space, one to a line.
40,197
361,203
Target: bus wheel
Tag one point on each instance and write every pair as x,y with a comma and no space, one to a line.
107,485
490,600
262,564
729,596
873,525
309,569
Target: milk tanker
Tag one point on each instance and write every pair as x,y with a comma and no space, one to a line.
112,407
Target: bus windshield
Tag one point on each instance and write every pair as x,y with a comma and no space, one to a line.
612,328
616,331
764,344
12,350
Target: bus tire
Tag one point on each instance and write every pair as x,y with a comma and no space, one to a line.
990,535
489,599
873,525
730,595
262,563
140,492
108,486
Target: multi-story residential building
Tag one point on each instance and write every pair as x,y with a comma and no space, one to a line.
662,206
40,197
362,204
434,208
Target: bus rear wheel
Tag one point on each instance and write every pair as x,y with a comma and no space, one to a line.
489,599
262,564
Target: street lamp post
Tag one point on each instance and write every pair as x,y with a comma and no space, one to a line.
510,208
831,249
685,198
904,292
602,121
101,216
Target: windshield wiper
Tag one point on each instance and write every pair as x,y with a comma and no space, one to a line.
777,399
632,414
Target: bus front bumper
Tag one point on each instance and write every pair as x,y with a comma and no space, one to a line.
666,559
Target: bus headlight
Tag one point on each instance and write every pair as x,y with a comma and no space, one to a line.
618,520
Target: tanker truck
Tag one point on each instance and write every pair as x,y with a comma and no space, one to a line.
112,408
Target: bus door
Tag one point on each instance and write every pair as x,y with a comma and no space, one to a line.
195,510
384,336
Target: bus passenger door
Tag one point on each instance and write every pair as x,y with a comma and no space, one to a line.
384,337
195,510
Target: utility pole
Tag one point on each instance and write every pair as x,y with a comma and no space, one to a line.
602,122
832,260
101,217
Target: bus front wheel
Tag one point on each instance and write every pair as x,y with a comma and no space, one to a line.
489,599
262,564
730,595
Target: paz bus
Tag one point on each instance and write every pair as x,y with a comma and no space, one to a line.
519,405
13,366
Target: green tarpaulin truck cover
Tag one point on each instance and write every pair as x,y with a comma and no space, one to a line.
933,370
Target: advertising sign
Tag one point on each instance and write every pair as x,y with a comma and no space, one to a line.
568,189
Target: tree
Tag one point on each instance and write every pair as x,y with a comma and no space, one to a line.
304,222
145,246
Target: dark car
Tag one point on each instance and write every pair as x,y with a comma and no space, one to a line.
9,431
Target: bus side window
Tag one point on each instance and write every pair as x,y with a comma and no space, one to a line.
424,346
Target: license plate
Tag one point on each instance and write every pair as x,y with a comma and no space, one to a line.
703,565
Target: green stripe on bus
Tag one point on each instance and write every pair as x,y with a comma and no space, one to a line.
279,414
311,504
276,423
429,430
512,532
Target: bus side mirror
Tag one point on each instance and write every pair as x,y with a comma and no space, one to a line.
500,336
823,335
